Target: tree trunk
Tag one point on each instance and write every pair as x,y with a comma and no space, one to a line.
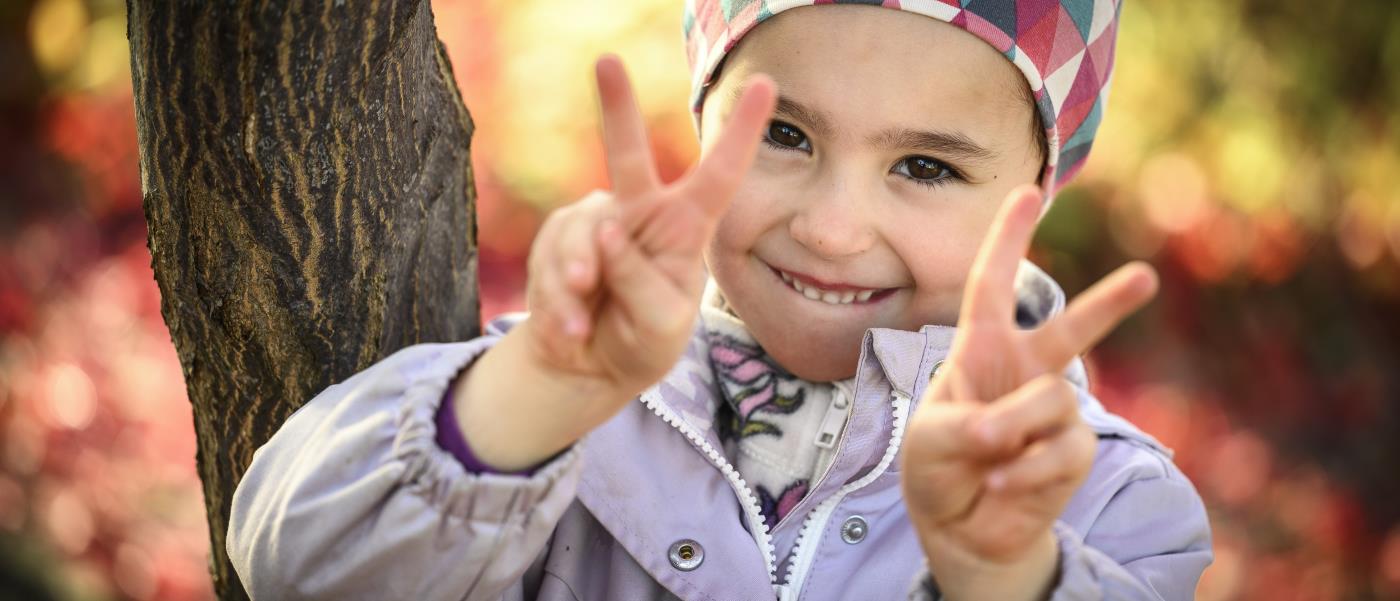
307,185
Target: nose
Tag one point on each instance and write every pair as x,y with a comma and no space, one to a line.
832,222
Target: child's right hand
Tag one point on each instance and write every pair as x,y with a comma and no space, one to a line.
616,278
614,286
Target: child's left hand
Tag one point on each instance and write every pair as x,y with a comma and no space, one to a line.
997,446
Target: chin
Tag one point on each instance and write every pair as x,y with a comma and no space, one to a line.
815,356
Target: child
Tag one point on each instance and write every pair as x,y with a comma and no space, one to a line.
823,431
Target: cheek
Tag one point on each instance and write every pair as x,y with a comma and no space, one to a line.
731,235
743,223
938,249
745,230
731,243
950,257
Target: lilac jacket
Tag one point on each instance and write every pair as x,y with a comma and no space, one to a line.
353,499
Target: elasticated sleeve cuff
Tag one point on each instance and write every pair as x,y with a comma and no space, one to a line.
450,438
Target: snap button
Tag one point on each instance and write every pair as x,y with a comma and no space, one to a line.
936,366
854,530
686,555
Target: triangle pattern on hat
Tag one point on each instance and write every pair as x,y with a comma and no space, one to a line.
1101,53
1088,124
1000,13
1067,39
987,31
1081,12
731,8
1071,117
1038,40
1062,80
1104,13
1030,13
1084,90
749,13
712,21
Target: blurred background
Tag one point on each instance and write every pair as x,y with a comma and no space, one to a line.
1251,152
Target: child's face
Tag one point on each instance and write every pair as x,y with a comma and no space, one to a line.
895,140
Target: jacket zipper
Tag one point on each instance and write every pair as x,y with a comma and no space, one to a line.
809,537
747,499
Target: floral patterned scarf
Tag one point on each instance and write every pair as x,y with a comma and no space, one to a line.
778,430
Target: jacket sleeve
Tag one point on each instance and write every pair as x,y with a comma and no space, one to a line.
353,499
1148,541
1152,542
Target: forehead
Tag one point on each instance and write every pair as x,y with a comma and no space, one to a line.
879,67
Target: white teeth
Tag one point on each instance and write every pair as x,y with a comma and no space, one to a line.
829,297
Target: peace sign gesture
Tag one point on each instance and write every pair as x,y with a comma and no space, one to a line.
997,447
615,280
614,286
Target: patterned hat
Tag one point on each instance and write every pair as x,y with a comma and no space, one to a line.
1063,47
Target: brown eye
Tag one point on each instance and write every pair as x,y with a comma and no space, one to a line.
785,135
925,168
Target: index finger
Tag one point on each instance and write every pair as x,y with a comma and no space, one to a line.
630,165
990,293
713,181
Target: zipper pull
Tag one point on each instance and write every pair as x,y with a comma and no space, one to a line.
833,421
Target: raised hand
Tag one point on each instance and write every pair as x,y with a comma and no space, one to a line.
614,287
997,448
615,279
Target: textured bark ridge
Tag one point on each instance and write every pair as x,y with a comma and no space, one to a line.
307,185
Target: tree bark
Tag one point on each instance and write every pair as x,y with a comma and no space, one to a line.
307,186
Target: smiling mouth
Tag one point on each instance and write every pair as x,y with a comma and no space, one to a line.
847,295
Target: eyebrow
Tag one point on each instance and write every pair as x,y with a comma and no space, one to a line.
947,144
